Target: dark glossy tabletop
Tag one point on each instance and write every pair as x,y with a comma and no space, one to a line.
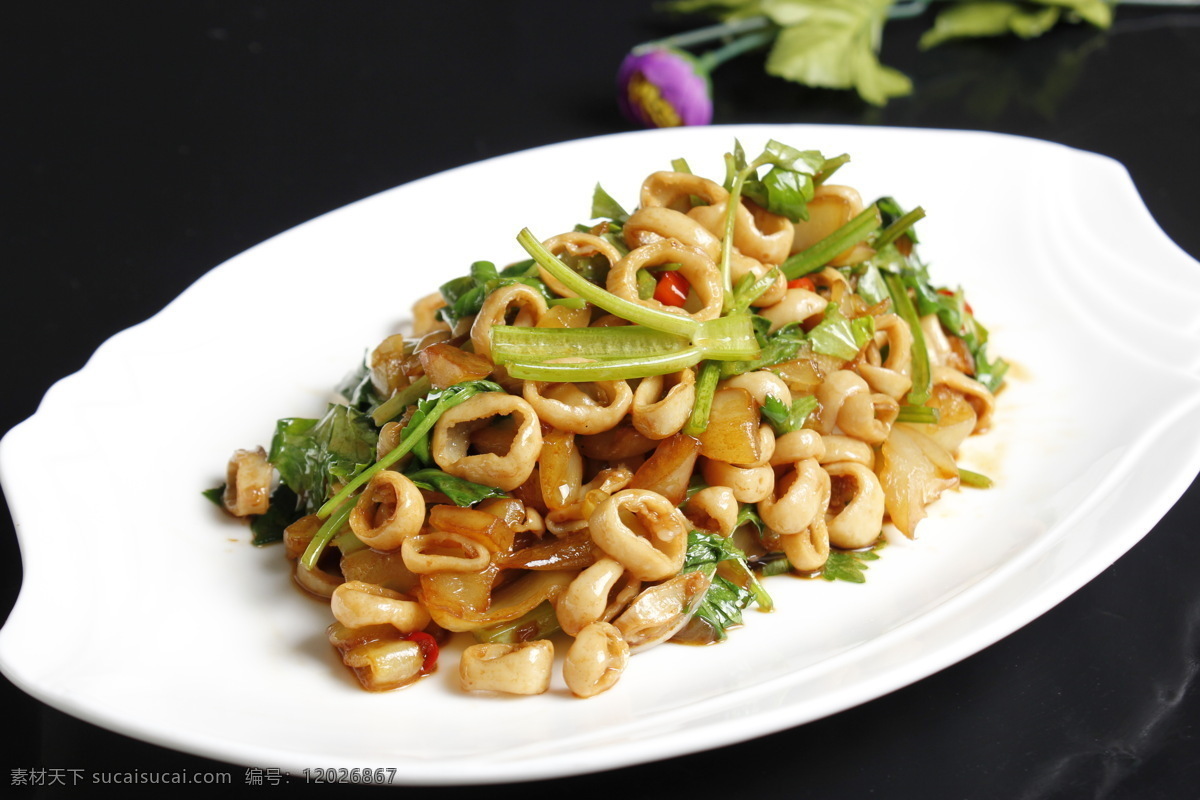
144,143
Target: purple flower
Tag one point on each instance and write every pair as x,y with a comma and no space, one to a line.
664,88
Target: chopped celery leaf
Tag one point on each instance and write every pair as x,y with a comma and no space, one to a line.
464,295
848,565
733,589
605,207
839,336
785,419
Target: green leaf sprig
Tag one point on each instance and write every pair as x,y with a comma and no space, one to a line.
464,295
734,585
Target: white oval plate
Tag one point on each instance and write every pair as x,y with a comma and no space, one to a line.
184,634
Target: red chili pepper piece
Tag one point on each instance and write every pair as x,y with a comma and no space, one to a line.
429,650
966,305
672,289
802,283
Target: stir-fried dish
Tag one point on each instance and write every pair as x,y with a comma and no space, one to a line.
610,444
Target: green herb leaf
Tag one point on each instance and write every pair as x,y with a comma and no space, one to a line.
359,389
787,193
788,185
848,565
461,491
734,586
216,495
839,336
784,419
464,295
314,455
285,509
784,344
870,285
605,207
748,515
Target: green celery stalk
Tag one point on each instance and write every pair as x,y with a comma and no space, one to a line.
333,524
538,623
608,369
918,414
897,229
731,207
974,479
389,409
516,343
706,387
922,376
853,232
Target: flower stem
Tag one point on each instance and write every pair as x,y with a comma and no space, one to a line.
709,33
743,44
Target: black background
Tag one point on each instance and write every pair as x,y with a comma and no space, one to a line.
143,143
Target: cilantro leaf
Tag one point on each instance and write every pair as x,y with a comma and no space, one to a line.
722,606
785,192
848,565
734,586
